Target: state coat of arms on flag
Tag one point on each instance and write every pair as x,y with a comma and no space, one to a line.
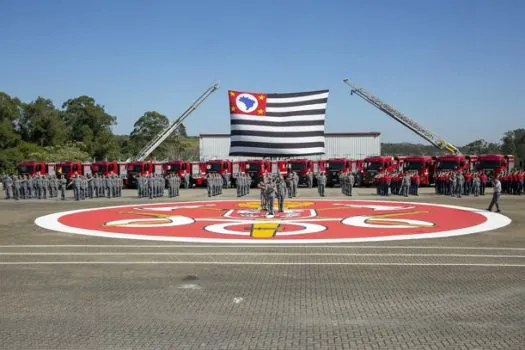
274,125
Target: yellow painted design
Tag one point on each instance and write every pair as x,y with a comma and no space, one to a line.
264,230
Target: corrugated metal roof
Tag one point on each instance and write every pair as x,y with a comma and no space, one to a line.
337,145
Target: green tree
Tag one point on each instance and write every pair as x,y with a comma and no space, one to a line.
481,147
146,128
10,114
514,143
90,124
42,124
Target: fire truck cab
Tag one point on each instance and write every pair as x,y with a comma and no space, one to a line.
31,168
455,162
372,166
301,167
280,167
423,165
69,169
334,167
140,167
256,168
495,164
177,167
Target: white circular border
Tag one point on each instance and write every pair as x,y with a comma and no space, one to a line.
494,221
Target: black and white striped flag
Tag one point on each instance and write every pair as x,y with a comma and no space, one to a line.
277,125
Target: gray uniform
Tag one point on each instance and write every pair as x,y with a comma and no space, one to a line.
63,184
269,190
496,184
321,184
280,192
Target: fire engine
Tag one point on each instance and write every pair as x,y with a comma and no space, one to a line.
137,168
372,166
301,167
455,162
495,164
256,168
176,167
280,167
198,174
68,169
32,168
108,168
335,166
423,165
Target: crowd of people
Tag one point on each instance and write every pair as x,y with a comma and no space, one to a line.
19,187
401,184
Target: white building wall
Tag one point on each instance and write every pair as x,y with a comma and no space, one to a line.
337,145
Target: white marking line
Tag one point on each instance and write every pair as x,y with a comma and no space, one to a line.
253,254
243,263
310,246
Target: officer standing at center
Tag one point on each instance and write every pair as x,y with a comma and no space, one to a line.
281,192
321,183
496,185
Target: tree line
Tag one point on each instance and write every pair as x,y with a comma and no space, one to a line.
79,130
82,130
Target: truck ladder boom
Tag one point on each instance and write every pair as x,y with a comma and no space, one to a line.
163,135
401,118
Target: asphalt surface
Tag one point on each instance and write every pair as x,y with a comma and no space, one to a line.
66,291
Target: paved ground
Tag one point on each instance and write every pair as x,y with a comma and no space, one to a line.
96,293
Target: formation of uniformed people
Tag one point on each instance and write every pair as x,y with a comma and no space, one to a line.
321,183
272,187
150,185
30,186
214,184
512,182
401,184
173,181
243,183
97,186
458,183
347,181
292,183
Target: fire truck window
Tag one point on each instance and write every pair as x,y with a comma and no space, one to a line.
38,167
225,166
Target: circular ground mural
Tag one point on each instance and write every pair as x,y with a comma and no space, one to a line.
303,221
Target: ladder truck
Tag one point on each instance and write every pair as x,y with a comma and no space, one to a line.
402,118
138,165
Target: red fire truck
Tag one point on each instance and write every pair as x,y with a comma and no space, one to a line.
424,165
301,167
141,167
256,168
334,167
280,166
495,164
198,174
107,168
372,166
28,167
176,167
455,162
68,169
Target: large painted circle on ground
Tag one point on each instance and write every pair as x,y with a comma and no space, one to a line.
303,221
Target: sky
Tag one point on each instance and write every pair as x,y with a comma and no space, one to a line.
456,67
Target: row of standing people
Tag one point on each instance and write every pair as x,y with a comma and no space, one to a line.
458,183
32,186
98,186
513,182
402,184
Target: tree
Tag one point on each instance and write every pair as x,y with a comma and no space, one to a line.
513,142
10,113
42,124
481,147
90,124
146,128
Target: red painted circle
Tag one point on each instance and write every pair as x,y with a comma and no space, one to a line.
303,221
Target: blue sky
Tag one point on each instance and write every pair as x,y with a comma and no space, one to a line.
457,67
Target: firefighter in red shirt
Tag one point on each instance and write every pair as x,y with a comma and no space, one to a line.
414,181
468,183
388,182
483,183
521,180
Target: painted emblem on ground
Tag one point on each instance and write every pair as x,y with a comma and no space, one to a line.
306,221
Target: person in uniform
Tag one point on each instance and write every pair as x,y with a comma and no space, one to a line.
476,185
496,194
270,196
16,187
295,183
289,184
280,192
186,177
310,179
460,184
321,183
76,187
63,184
9,187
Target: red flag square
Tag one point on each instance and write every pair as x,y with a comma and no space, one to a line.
249,103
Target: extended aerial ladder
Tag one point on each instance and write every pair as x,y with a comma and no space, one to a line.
163,135
402,118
